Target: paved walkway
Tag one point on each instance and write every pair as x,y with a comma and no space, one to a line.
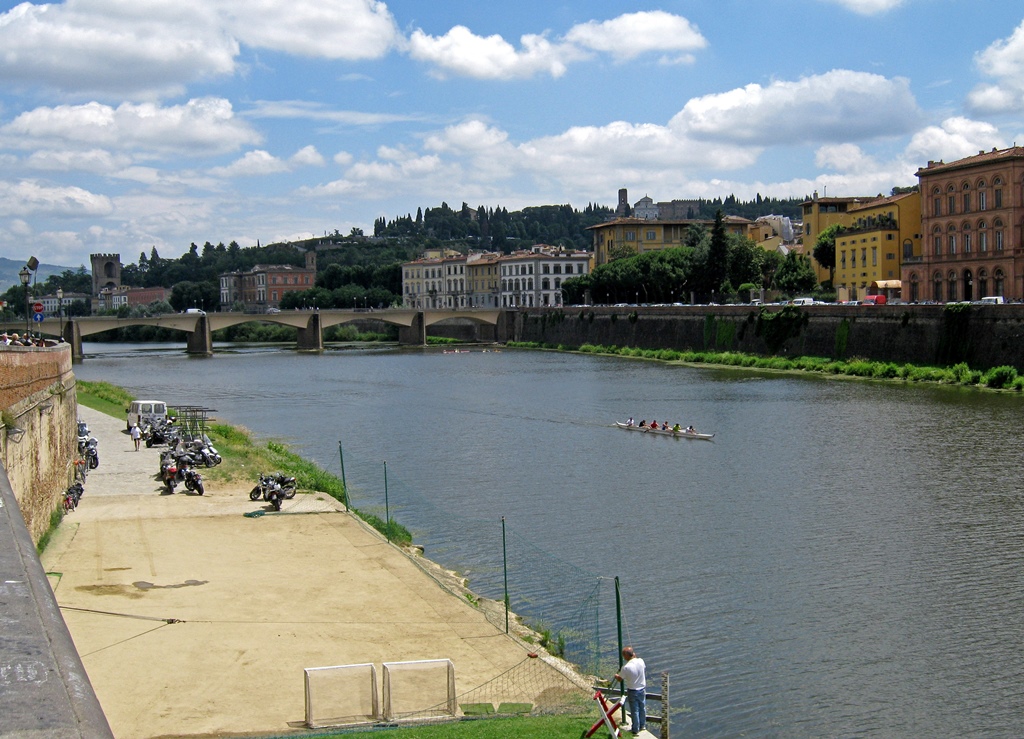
192,619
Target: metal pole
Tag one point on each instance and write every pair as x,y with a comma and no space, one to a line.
618,617
665,713
504,565
344,485
387,508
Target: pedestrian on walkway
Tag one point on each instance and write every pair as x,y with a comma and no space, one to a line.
136,436
633,675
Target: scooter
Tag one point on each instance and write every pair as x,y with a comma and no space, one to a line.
170,471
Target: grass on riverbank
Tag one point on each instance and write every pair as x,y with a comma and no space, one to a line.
996,378
244,457
531,727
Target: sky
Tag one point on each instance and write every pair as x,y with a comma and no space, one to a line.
128,125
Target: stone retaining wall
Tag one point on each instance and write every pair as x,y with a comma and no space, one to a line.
40,434
982,336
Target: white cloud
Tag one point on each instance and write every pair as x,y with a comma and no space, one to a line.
461,52
27,197
1003,60
472,135
868,7
840,105
301,109
954,138
200,126
150,49
340,29
253,164
844,158
634,34
123,47
98,161
307,156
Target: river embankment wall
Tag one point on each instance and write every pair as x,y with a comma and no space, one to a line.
981,336
40,435
44,689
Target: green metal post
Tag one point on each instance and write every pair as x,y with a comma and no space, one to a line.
387,508
344,485
504,565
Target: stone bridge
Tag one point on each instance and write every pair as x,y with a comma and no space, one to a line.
491,325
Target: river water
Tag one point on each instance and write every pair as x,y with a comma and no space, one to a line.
845,558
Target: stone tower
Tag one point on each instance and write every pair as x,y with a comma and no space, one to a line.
106,272
623,210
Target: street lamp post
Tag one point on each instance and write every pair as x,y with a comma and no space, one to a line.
25,275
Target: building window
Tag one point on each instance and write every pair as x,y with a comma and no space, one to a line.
874,256
951,290
853,259
999,198
937,206
982,238
937,287
982,200
650,236
982,283
967,240
952,244
937,243
999,282
864,257
630,235
843,260
952,203
999,237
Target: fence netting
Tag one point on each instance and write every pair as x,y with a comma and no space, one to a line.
567,610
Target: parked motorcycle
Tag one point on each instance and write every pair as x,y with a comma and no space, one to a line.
274,488
92,454
171,473
88,446
204,452
158,433
193,480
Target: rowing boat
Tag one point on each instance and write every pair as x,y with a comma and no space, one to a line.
682,434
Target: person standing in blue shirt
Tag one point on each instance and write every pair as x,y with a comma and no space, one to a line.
633,675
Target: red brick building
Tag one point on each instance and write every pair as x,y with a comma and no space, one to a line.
972,216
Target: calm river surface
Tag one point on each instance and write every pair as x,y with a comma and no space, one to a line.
844,559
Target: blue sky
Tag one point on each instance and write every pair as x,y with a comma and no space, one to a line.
132,124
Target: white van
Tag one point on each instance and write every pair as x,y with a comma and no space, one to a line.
992,300
143,412
803,301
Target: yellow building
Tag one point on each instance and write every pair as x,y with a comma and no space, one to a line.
483,278
637,235
819,214
879,237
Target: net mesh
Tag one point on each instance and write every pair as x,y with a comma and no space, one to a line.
567,610
341,695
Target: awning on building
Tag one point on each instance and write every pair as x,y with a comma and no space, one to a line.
887,284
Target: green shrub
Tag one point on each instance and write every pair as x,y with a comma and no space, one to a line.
999,377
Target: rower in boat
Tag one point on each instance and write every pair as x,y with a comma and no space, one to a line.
643,424
677,428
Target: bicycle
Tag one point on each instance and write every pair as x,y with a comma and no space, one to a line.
81,470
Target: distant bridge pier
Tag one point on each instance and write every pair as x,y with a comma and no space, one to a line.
200,341
415,333
71,332
311,338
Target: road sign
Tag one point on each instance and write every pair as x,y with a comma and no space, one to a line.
38,307
38,317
